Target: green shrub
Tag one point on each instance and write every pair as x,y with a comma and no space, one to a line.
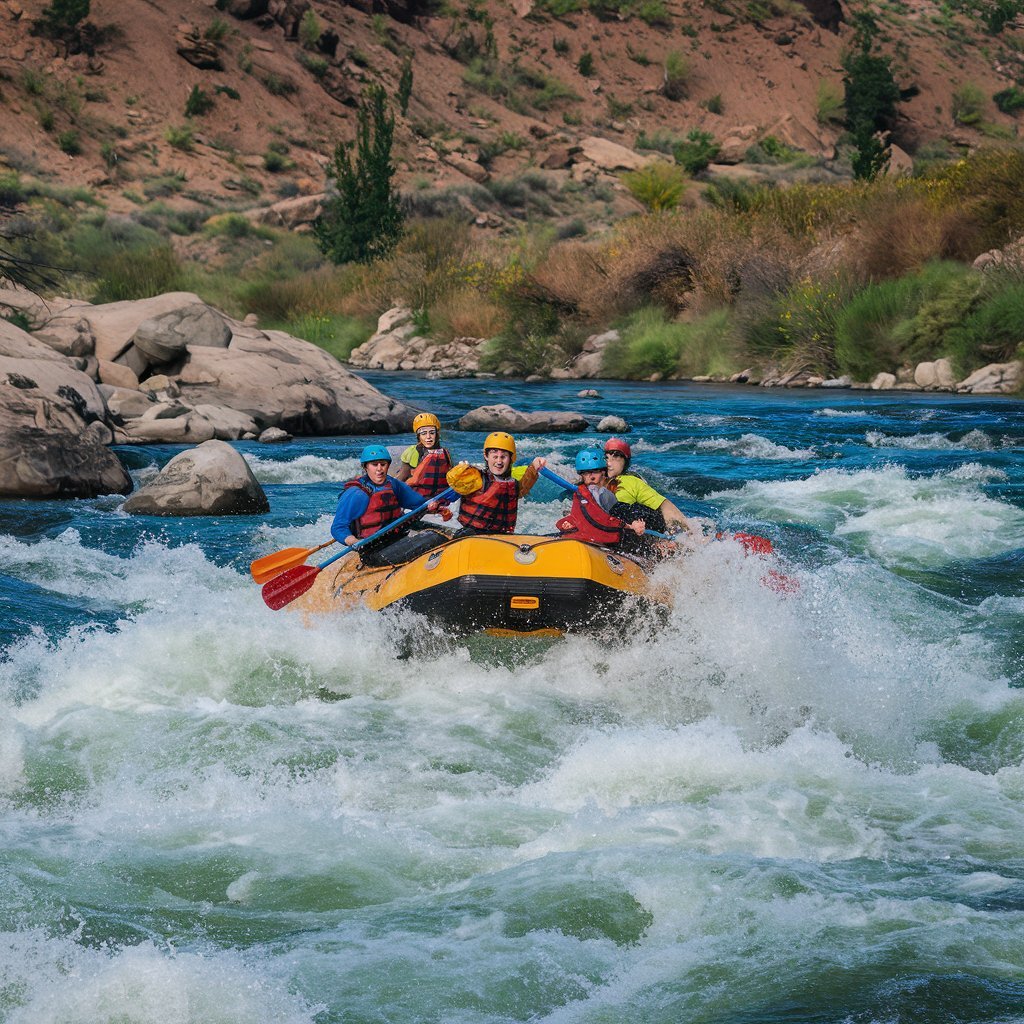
560,45
648,343
199,102
676,76
334,333
275,162
968,104
136,274
279,85
405,86
1009,100
180,137
310,30
993,333
226,90
69,142
585,65
525,354
829,107
902,320
771,150
659,185
696,152
217,30
363,222
654,13
559,8
316,66
713,104
47,120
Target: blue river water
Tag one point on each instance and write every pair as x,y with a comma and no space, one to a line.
784,807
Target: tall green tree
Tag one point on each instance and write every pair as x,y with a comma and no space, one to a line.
363,221
871,95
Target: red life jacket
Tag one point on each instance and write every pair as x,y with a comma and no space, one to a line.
588,521
383,507
493,508
428,478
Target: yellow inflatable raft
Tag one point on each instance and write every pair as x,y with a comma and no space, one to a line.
500,584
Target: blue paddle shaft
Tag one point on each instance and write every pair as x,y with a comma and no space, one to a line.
443,496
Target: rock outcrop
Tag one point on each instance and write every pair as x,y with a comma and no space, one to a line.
994,379
504,417
214,377
210,480
46,447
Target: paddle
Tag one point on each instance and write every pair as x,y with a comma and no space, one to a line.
295,582
269,566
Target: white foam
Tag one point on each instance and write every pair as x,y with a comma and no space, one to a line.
753,446
305,469
973,440
53,981
841,413
901,519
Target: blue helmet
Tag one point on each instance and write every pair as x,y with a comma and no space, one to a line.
589,458
374,453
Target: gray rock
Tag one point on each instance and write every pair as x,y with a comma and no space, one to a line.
613,425
19,344
186,428
116,374
281,381
588,393
164,338
69,336
883,382
838,382
47,451
210,480
994,379
126,403
504,417
274,435
55,379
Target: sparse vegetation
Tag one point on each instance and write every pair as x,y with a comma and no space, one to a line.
199,102
968,104
676,76
659,185
310,30
180,136
364,221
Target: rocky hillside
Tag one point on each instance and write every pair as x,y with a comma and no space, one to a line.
212,103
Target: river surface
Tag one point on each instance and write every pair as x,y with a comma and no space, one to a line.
786,807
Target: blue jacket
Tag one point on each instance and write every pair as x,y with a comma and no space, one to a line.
354,501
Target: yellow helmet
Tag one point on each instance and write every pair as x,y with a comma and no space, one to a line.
499,439
426,419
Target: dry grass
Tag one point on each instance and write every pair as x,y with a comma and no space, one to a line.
466,313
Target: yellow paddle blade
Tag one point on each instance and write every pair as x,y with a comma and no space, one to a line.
269,566
465,478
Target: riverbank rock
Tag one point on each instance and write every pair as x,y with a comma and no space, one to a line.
504,417
994,379
935,376
210,480
883,382
229,378
613,425
47,449
397,346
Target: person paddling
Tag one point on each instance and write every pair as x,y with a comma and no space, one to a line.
591,518
372,500
425,464
638,497
491,496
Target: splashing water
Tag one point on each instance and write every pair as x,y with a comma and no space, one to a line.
782,807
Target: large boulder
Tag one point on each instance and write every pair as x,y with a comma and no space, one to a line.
114,323
994,379
610,156
164,338
281,381
19,344
504,417
210,480
57,380
47,450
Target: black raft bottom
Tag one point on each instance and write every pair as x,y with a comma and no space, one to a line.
477,602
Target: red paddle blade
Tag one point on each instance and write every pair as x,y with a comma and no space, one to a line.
754,545
289,585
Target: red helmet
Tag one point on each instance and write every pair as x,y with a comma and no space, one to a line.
616,444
